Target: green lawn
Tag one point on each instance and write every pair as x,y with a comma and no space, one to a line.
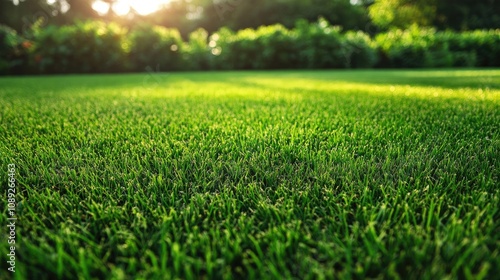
258,175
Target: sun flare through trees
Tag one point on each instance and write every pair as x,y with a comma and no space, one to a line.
124,7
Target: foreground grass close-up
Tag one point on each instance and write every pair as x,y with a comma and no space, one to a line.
254,175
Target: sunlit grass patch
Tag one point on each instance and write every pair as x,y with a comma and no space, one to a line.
306,174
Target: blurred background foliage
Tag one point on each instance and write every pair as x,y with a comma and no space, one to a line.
70,36
97,47
189,15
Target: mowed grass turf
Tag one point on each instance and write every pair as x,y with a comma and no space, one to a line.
258,175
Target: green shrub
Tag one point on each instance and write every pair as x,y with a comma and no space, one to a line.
418,47
321,45
220,44
480,47
13,51
487,48
268,47
437,55
414,47
464,59
95,46
240,50
196,53
85,47
278,48
403,48
155,47
360,52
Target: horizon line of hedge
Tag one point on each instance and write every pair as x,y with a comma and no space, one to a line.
99,47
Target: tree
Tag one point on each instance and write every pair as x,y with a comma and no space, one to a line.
21,14
239,14
468,14
188,15
403,13
443,14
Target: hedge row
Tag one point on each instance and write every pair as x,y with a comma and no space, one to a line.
427,48
92,46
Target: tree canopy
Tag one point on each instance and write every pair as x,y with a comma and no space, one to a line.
443,14
188,15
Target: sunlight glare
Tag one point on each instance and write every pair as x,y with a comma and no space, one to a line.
123,7
145,7
101,7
